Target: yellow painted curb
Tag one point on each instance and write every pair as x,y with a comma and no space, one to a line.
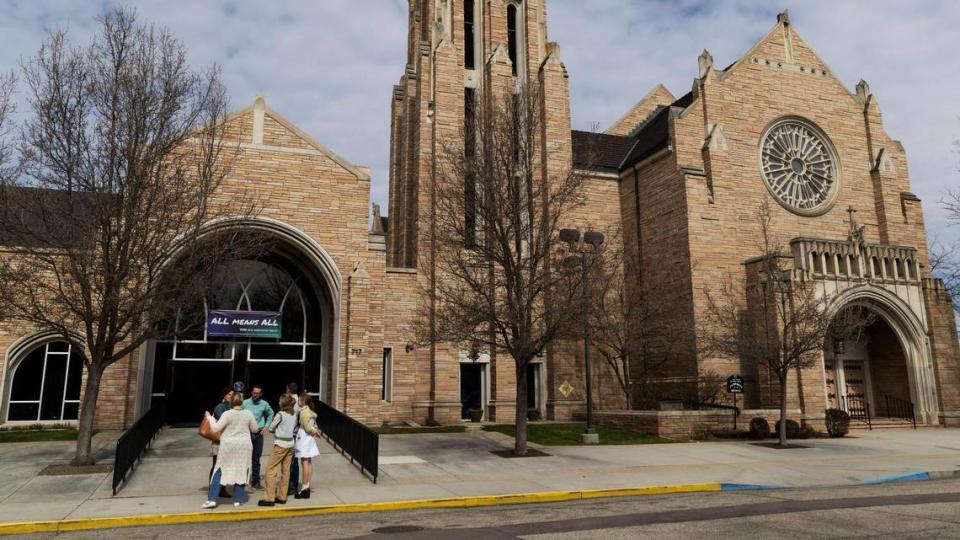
84,524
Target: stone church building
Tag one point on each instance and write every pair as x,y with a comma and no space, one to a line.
681,177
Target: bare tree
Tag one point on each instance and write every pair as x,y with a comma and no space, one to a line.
945,256
776,319
7,166
123,153
627,330
945,264
498,283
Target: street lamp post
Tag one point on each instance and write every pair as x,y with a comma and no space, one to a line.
595,240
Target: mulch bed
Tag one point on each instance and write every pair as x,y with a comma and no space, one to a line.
531,452
65,470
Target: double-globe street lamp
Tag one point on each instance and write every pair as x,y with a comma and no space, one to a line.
594,240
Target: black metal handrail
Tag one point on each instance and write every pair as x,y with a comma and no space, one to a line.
351,438
858,408
134,441
900,408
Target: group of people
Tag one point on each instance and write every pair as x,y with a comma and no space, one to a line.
242,424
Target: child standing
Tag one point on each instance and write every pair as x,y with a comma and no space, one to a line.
282,429
306,444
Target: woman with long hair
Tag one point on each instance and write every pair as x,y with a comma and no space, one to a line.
306,446
233,458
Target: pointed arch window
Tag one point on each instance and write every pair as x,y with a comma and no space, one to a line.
253,285
46,384
469,35
515,37
470,159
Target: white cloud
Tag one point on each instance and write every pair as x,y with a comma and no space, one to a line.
330,65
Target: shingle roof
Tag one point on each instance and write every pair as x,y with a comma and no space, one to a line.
683,101
614,153
653,135
35,217
599,151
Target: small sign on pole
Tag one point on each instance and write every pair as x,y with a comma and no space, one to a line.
735,386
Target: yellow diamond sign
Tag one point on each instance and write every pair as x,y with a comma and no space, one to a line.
566,389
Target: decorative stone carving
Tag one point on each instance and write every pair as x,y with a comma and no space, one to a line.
799,166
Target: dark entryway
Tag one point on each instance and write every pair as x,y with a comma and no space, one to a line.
533,383
471,388
194,387
190,372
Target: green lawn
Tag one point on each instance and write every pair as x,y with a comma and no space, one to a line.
404,430
569,434
36,435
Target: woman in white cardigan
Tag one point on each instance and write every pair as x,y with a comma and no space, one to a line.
233,458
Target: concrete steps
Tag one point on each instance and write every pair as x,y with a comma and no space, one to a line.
882,423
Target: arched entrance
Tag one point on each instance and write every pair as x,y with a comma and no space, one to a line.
887,366
296,280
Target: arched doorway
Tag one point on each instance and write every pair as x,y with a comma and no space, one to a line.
886,365
298,283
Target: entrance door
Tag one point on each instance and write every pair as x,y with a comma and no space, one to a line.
534,383
854,379
471,388
195,387
190,371
273,378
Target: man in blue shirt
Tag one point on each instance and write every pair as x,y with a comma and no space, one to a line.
262,411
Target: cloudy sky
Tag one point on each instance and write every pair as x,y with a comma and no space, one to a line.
329,65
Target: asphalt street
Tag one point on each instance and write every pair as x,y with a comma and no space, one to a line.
925,509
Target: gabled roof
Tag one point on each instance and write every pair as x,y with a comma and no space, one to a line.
783,44
642,110
259,104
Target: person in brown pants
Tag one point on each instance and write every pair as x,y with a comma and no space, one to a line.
282,429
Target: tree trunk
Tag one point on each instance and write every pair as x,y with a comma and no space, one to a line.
783,408
520,441
88,410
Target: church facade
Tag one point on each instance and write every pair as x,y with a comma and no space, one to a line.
681,178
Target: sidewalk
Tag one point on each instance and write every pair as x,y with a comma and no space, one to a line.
172,478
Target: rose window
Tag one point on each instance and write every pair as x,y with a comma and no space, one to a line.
799,166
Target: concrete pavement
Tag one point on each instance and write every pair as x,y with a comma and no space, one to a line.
427,466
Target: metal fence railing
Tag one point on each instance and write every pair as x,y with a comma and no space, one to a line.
858,408
133,442
351,438
900,409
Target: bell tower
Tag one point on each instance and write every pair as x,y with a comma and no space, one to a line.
459,54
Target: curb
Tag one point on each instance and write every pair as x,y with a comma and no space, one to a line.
86,524
913,477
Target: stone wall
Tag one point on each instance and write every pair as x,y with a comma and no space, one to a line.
945,349
685,425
